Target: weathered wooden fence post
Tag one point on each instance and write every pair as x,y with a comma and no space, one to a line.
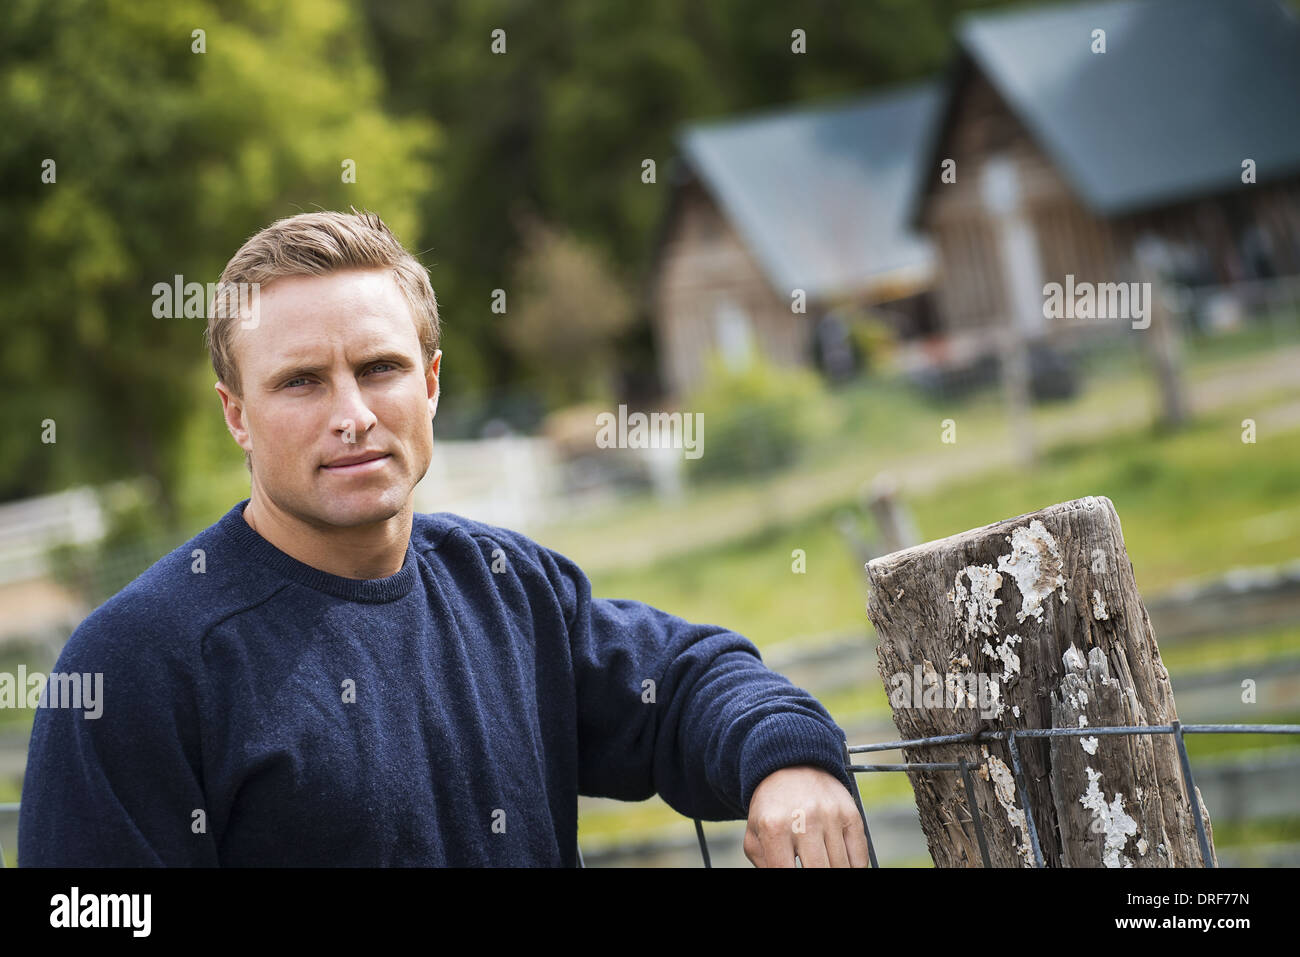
1034,622
893,519
1163,338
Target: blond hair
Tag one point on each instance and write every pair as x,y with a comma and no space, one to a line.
315,244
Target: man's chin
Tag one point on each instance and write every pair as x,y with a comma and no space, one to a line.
359,508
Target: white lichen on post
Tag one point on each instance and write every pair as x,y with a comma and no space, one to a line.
1079,700
1099,606
1004,788
1035,564
978,607
961,690
1006,654
996,705
1109,820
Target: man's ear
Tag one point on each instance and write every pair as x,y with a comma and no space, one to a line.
432,384
232,407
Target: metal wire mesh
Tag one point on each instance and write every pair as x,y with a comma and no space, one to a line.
1176,728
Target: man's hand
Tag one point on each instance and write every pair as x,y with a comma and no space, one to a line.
804,811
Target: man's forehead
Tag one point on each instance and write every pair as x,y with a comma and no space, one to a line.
342,285
270,348
369,303
315,348
320,345
356,295
362,332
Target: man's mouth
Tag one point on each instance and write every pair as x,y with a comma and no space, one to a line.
359,463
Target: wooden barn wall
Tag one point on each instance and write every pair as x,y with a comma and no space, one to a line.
703,263
1071,239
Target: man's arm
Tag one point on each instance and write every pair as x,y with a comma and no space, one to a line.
685,710
120,789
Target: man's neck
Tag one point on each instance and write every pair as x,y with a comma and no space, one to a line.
362,552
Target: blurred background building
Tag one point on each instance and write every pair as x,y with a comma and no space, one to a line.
774,223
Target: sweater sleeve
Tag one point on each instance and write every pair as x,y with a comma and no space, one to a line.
688,711
120,789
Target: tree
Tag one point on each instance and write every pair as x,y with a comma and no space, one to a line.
170,147
567,314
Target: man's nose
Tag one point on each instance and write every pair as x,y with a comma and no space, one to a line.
351,415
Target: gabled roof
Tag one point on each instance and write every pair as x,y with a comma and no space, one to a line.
1185,91
819,195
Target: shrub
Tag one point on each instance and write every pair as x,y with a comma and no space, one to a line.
757,420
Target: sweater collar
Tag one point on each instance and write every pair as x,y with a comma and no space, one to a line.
368,590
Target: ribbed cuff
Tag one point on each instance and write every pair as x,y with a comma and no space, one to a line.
789,739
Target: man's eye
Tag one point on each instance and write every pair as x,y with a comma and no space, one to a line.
297,381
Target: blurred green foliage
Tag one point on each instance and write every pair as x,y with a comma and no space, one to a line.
166,159
756,420
570,312
874,340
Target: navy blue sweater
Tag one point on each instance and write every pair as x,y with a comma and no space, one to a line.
259,711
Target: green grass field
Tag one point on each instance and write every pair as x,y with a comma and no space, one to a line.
1194,503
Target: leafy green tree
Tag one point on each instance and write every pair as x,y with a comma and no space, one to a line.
169,147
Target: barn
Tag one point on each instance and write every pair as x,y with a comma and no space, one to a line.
777,222
1106,143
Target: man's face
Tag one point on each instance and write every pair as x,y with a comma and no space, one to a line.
332,371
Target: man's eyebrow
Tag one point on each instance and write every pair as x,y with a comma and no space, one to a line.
297,367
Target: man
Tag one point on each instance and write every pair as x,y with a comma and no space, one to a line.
324,677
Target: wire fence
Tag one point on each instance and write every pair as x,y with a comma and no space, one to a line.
1010,736
1176,728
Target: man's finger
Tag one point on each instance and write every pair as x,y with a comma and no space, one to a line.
753,847
811,847
777,842
836,851
855,840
